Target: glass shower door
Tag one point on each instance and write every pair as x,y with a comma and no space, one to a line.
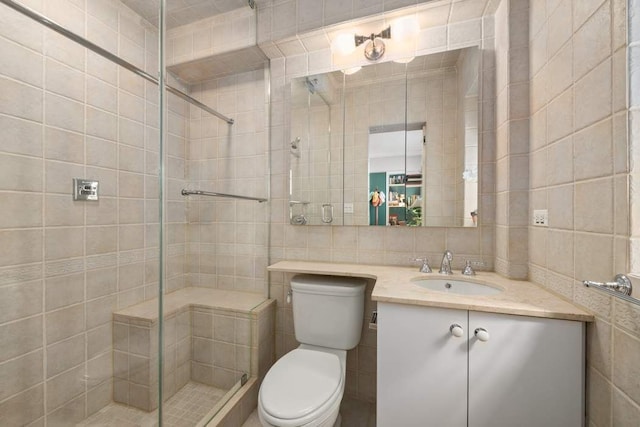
79,212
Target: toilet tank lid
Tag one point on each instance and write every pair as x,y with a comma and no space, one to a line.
328,285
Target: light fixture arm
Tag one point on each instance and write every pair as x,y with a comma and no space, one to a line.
384,34
374,50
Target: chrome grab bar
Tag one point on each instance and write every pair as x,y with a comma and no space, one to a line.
230,196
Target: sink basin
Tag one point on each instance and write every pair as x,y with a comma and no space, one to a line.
459,287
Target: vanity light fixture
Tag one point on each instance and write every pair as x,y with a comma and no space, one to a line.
351,70
346,43
402,30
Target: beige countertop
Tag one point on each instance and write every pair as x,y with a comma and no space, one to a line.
393,284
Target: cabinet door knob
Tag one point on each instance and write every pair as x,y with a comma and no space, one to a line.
482,334
456,330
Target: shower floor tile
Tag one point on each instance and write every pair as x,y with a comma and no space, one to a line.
185,409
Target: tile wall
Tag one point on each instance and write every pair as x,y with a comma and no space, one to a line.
135,361
228,240
512,142
65,265
579,172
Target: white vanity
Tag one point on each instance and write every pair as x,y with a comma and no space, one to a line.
447,358
514,371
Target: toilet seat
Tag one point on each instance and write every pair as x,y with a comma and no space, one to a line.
301,387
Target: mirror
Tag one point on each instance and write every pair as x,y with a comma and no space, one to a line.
389,145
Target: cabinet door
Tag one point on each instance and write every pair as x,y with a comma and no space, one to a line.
530,372
422,367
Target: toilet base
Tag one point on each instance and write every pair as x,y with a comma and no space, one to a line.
336,423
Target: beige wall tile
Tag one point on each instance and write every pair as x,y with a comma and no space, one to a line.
625,411
62,291
21,210
593,98
593,151
625,370
30,109
63,242
64,323
561,201
592,41
21,373
99,340
23,408
560,247
560,162
20,247
64,387
65,355
599,399
20,173
589,195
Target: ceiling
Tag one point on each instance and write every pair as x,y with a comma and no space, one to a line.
182,12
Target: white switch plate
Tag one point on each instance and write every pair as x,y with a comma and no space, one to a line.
541,217
348,208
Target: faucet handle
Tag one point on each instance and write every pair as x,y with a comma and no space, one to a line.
425,268
468,269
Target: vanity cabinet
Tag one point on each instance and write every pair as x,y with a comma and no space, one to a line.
516,371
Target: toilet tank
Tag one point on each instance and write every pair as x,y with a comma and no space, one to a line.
328,311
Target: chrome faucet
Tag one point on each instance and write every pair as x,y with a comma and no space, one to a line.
445,266
425,268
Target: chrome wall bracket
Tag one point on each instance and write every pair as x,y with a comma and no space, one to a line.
621,288
622,284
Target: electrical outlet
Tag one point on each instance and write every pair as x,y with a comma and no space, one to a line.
541,218
348,208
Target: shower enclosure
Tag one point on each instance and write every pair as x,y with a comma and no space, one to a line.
133,211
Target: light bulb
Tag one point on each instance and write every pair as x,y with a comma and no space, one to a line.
406,28
344,44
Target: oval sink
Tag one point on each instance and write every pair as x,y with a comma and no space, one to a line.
451,286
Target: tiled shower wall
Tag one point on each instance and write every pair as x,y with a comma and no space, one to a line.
228,240
65,265
579,172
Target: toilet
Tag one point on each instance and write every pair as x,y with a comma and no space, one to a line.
306,385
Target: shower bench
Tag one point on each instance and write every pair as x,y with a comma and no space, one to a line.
211,336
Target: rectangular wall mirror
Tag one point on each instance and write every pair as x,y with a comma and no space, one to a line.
391,144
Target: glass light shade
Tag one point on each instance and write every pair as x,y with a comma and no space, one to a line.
404,60
350,71
404,29
343,44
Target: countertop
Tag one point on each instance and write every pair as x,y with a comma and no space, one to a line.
393,284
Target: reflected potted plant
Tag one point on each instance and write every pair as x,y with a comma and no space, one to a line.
415,216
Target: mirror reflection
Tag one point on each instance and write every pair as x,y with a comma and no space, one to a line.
389,145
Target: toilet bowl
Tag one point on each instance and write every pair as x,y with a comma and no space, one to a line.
304,388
